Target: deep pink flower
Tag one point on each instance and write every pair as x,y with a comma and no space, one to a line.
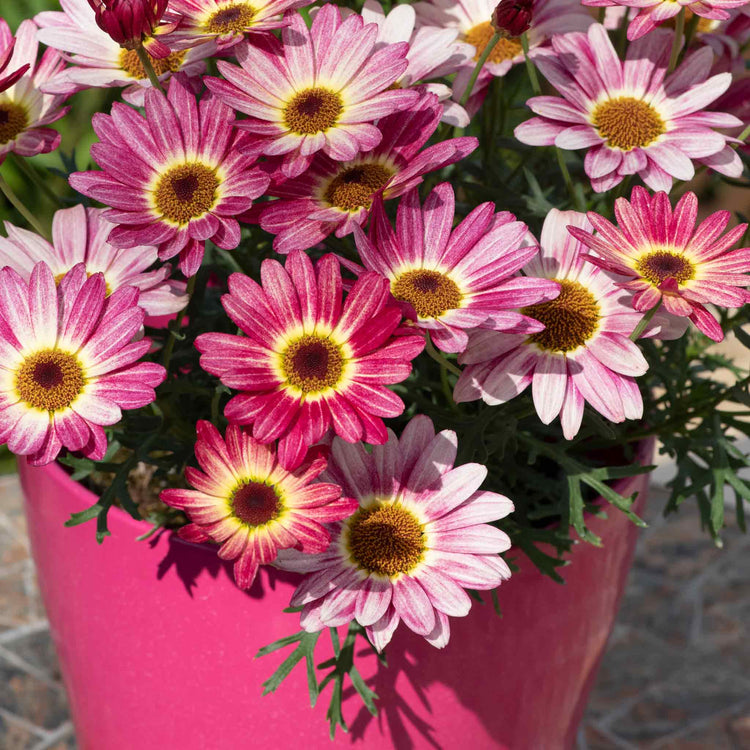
667,259
419,537
24,109
584,353
246,501
68,362
175,178
629,117
318,89
133,23
451,280
306,362
337,195
79,235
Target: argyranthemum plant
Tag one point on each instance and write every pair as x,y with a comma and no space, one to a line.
247,502
419,537
628,115
667,260
250,412
69,364
319,89
309,361
175,178
79,235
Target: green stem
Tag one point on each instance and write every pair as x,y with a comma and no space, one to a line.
645,320
486,52
439,358
622,36
530,69
149,68
568,181
679,28
601,15
176,324
17,203
35,177
743,135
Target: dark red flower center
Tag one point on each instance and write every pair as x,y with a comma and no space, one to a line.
385,539
571,318
430,293
255,503
14,119
313,110
313,364
660,265
354,187
50,380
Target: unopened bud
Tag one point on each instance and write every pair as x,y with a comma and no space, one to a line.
131,23
512,17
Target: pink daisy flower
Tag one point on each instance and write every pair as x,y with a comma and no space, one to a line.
630,118
652,13
317,89
225,22
433,53
24,109
68,364
667,259
334,196
583,354
451,280
419,537
175,178
79,235
307,363
99,61
246,501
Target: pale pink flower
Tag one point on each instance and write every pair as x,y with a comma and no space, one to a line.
420,536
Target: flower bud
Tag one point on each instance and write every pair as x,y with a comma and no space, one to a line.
512,17
131,23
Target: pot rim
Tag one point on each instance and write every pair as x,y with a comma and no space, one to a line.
643,454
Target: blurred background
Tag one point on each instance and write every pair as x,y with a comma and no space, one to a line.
677,670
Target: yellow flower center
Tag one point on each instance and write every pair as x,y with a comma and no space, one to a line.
385,539
130,63
313,110
627,123
571,318
14,119
234,17
506,49
659,265
354,187
430,293
186,192
255,503
313,364
50,380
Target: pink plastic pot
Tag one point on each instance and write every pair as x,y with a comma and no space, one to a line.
156,645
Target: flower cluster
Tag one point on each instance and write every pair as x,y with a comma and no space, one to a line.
359,307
